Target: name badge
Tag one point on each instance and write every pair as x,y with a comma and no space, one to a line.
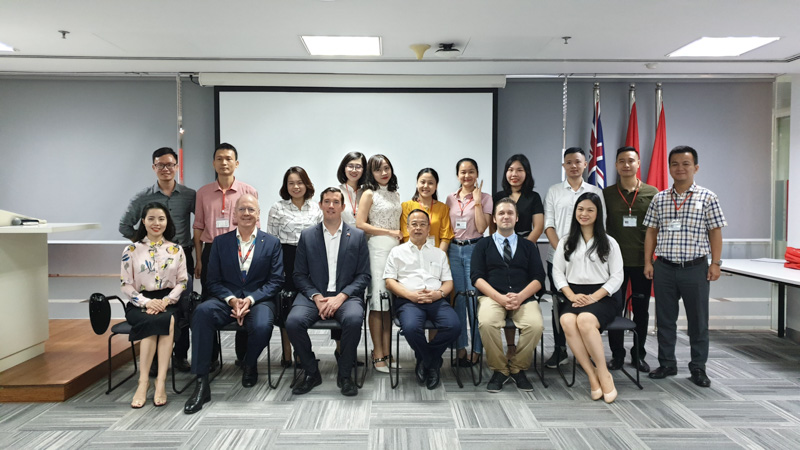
432,240
629,221
223,222
674,225
698,205
461,224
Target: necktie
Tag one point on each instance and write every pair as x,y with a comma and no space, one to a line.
506,252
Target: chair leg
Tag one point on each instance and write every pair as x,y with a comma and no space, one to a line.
456,367
479,363
394,381
539,370
269,365
360,383
563,377
133,352
636,357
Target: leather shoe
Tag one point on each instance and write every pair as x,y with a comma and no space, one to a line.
433,379
181,365
308,383
663,372
699,378
249,375
616,363
419,371
641,365
349,389
201,395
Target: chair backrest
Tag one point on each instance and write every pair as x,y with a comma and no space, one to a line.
100,311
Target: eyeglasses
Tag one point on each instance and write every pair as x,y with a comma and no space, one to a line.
165,166
354,167
247,210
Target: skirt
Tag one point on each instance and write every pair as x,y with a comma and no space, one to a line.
379,248
605,310
145,325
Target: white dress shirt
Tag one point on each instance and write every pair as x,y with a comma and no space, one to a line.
332,242
244,266
559,205
416,268
588,269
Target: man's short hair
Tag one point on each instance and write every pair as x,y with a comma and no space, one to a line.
226,146
417,210
683,149
627,149
574,150
330,190
164,151
508,200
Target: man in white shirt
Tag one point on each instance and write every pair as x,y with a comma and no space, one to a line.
417,272
558,207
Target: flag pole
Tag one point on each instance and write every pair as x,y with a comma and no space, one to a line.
563,123
659,101
180,127
631,97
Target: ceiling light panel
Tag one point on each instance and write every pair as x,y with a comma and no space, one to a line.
721,46
342,45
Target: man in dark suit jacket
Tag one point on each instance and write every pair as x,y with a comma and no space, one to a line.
331,271
245,273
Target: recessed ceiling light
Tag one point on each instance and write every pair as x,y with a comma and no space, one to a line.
721,46
6,48
342,45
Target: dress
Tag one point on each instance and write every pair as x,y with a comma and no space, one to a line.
384,213
157,269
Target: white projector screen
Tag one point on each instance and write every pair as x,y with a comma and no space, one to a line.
276,129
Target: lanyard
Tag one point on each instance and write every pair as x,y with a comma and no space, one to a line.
242,260
352,204
461,207
677,207
635,193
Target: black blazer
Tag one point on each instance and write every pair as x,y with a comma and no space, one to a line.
311,263
264,279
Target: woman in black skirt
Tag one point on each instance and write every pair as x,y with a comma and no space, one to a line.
587,269
153,277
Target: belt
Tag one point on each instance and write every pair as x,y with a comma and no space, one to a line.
689,263
467,241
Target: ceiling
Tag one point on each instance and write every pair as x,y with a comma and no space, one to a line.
498,37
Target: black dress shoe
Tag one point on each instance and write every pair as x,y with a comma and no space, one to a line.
348,387
616,363
308,383
433,379
181,365
663,372
699,378
419,371
201,395
249,375
641,365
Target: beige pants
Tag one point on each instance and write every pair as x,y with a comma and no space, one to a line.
492,318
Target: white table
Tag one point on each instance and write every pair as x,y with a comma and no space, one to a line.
24,320
767,271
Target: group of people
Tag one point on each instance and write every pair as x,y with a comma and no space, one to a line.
341,253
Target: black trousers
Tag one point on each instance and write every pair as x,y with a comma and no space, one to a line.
181,349
640,303
241,335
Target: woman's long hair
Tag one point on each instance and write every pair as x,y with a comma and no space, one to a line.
528,184
600,245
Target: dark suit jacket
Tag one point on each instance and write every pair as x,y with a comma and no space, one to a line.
264,279
311,263
487,263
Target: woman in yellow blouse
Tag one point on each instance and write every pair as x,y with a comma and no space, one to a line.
153,276
426,199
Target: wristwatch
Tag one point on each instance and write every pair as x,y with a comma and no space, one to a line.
719,263
442,292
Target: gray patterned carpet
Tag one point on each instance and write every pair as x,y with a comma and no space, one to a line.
754,402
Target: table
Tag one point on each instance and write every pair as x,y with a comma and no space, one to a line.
24,294
772,272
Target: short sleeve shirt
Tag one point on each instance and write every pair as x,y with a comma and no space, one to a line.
463,210
528,205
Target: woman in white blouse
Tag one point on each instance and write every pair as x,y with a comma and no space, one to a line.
379,216
351,173
286,220
587,269
153,276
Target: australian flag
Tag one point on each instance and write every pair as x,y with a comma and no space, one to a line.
597,163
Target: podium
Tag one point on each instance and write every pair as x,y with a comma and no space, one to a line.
24,321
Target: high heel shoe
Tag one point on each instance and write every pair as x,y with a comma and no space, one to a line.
597,394
611,396
160,396
375,361
140,398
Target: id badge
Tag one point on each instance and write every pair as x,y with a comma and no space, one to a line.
461,224
674,225
698,205
629,221
223,222
432,240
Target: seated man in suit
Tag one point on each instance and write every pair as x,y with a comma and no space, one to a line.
331,271
417,272
245,274
508,272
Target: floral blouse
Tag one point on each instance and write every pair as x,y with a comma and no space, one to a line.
151,266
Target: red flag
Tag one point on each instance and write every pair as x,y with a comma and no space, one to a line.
632,138
657,175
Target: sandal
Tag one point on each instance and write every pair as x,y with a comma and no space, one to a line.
375,361
160,396
140,398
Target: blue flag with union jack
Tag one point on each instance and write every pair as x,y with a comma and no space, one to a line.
597,163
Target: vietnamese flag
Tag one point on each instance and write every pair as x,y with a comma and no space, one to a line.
632,137
657,174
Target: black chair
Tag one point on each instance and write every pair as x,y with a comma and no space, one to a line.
100,318
472,295
333,324
619,323
394,381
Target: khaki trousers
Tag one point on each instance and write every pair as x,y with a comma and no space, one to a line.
492,319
